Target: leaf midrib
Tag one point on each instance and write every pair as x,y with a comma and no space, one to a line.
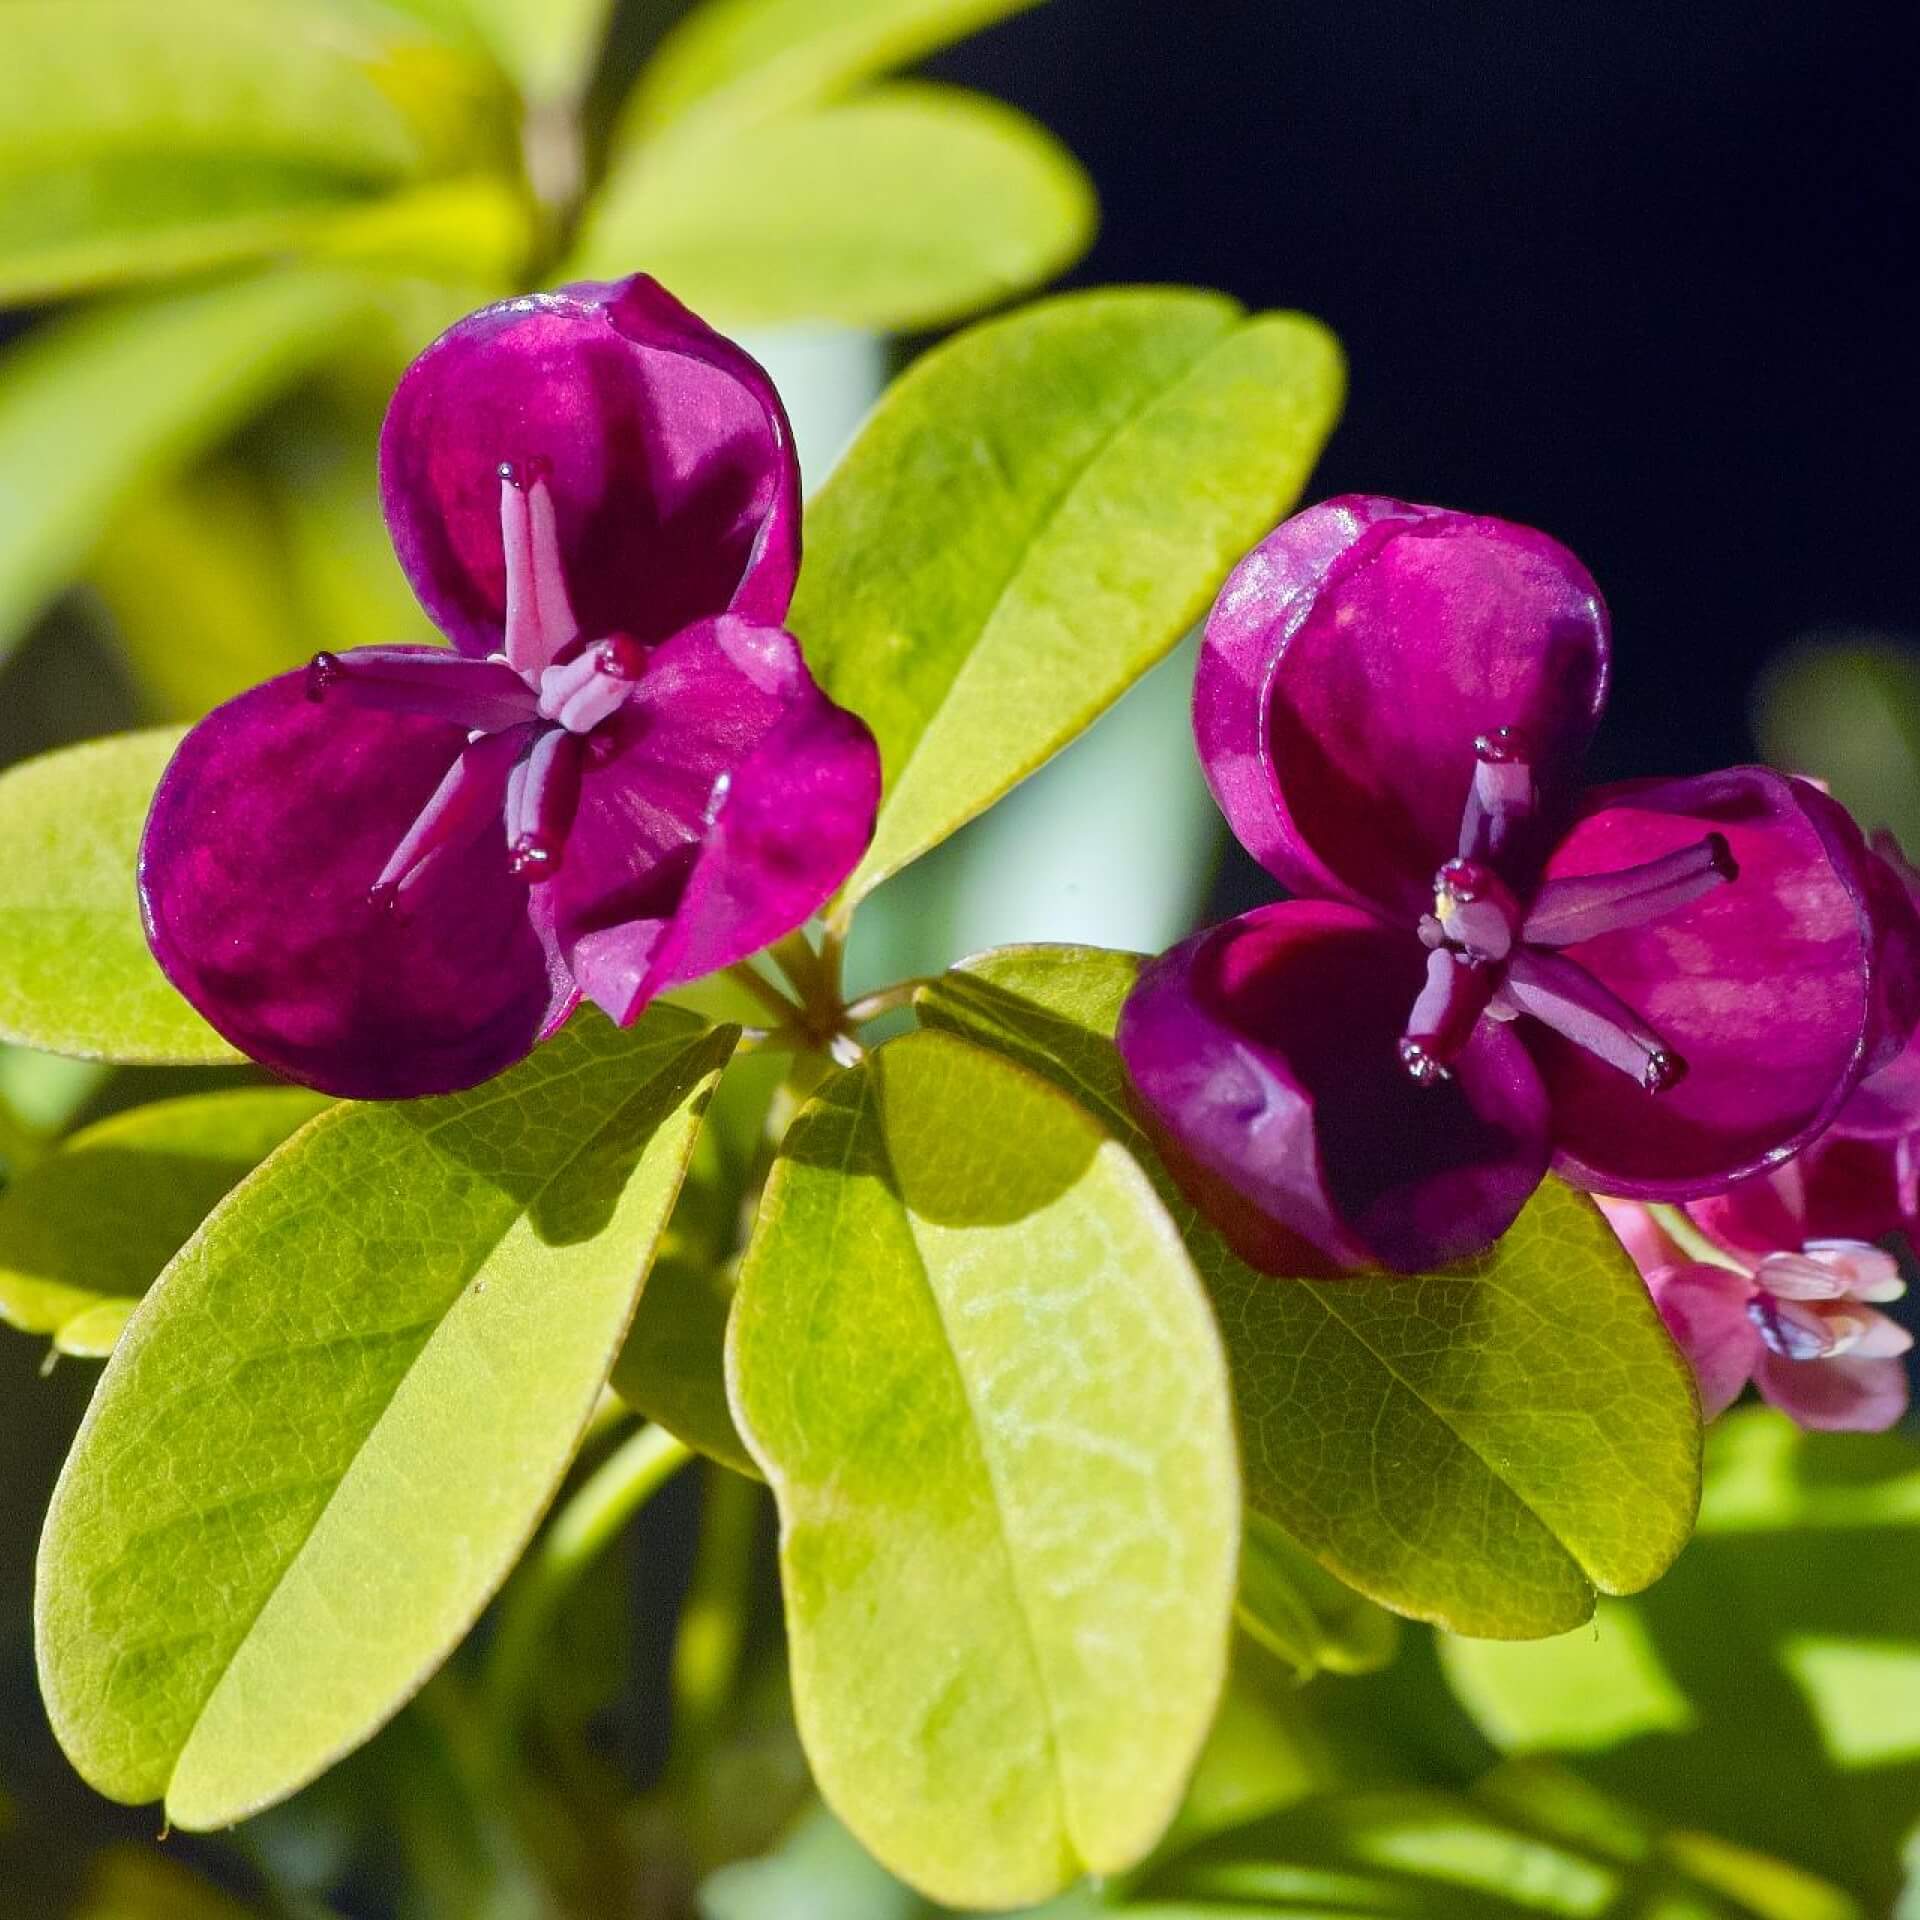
1037,531
1184,1213
338,1114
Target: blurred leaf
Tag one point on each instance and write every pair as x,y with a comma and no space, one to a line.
196,578
1394,1855
1035,514
959,204
1483,1446
95,406
751,59
1299,1612
1770,1685
548,47
332,1426
78,977
671,1368
818,1872
84,1233
474,228
265,79
998,1436
44,1092
134,216
1846,709
138,1883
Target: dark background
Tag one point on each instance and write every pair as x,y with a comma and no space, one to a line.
1641,275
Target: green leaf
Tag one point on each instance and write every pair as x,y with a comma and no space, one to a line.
750,59
83,1233
549,49
962,203
332,1426
1482,1447
1771,1683
78,976
672,1367
1035,514
970,1356
96,406
132,216
1390,1855
1299,1612
255,78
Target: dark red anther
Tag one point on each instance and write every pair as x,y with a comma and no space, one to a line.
620,657
1425,1070
384,897
323,671
1664,1070
522,474
1501,747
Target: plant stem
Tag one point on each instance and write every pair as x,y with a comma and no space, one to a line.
713,1622
591,1519
872,1005
787,1013
798,961
1679,1228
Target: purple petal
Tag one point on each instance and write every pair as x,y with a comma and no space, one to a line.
1842,1395
1266,1052
1766,987
735,798
1762,1215
665,449
267,835
1351,661
1705,1308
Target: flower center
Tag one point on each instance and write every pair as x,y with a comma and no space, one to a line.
529,710
1489,956
1810,1305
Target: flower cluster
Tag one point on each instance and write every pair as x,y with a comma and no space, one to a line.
1662,989
393,873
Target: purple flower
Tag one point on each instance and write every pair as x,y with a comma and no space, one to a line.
1773,1303
393,873
1655,987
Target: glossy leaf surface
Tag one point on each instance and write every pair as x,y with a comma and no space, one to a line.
330,1429
1034,514
971,1357
1483,1447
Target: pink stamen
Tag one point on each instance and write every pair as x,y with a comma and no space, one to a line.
1474,909
542,796
1586,905
1791,1328
539,616
1563,995
481,696
1443,1017
593,684
464,804
1502,800
1859,1268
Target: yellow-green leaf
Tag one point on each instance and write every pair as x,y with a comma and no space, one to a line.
749,59
972,1359
78,977
332,1426
903,208
85,1231
1034,515
1484,1446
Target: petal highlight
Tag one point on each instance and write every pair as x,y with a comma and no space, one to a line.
664,453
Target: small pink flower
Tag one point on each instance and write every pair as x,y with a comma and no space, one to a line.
1795,1315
